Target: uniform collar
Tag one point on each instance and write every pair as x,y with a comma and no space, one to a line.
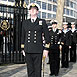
54,30
33,19
73,29
65,31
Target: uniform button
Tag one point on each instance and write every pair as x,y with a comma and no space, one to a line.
34,41
28,41
28,37
29,31
28,34
34,34
35,31
34,37
52,36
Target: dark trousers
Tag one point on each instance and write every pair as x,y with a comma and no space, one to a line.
54,59
34,63
65,56
73,53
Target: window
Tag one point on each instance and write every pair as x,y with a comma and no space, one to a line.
49,15
71,12
32,1
71,4
67,3
49,7
3,0
55,1
67,11
49,0
39,3
39,14
9,9
54,15
5,9
43,15
27,1
74,14
64,11
54,8
11,0
44,5
0,8
74,5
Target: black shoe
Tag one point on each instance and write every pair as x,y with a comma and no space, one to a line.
62,66
48,63
51,74
70,61
66,66
73,61
56,74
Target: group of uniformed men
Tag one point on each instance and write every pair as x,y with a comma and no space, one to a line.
61,40
55,40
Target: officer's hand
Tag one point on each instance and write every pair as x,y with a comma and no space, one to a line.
45,53
60,47
69,47
23,52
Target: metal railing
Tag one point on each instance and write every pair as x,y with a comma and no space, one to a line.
11,18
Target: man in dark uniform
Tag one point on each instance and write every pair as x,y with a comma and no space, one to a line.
66,42
73,42
54,52
32,42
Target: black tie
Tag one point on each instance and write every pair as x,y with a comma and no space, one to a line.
33,20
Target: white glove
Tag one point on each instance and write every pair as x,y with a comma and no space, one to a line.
45,53
23,52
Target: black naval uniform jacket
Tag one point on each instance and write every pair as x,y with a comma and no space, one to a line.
32,36
55,40
73,36
66,38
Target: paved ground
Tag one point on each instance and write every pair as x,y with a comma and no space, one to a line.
19,70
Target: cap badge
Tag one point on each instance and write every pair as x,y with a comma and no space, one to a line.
33,5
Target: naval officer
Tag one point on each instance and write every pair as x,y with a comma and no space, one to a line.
73,34
54,51
32,43
66,44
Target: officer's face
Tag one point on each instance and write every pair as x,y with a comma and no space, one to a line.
72,25
54,25
64,26
33,11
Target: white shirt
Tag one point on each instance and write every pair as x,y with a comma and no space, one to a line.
65,31
33,19
54,30
73,29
